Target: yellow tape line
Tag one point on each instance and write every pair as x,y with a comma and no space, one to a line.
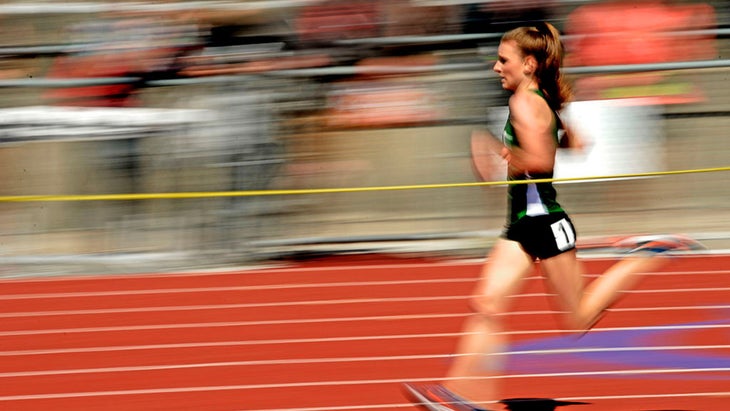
257,193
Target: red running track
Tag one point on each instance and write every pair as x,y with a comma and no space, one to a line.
343,335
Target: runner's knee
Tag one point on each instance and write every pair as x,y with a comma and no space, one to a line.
485,306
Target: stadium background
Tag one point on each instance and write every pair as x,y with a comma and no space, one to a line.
268,98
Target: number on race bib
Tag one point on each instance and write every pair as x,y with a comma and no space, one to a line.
564,234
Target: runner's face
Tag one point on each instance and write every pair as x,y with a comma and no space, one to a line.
510,65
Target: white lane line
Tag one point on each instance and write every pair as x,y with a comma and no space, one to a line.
617,349
677,290
677,308
230,288
328,360
233,306
609,329
239,343
341,383
647,396
299,341
219,324
621,310
315,302
205,307
187,290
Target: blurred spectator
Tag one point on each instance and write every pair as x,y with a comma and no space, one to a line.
407,18
331,20
499,16
618,32
382,104
135,47
385,100
248,41
635,32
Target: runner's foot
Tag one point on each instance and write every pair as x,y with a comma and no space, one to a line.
658,244
436,397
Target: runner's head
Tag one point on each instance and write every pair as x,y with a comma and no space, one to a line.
542,54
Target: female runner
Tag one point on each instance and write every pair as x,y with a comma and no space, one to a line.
538,228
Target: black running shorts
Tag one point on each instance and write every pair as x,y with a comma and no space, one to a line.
543,236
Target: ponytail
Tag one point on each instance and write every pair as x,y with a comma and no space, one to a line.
542,41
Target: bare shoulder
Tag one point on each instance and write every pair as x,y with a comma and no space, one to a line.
525,104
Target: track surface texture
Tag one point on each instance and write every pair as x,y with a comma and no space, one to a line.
344,333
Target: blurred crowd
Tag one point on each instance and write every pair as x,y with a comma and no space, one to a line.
275,74
143,43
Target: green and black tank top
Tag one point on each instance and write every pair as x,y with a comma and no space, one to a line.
530,199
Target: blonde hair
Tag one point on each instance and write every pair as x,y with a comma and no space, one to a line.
542,41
